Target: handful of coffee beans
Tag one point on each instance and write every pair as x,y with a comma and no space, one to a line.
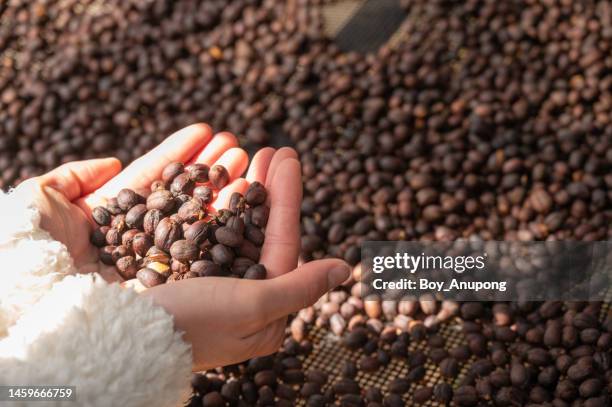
171,234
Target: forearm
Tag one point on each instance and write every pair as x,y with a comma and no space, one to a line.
64,328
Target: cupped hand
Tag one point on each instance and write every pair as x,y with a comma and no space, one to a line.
226,320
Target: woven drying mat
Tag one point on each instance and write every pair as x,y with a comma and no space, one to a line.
330,355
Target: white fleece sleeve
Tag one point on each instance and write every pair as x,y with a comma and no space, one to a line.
58,327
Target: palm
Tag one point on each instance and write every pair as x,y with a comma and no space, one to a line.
71,192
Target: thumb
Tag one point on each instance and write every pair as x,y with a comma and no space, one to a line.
303,286
78,178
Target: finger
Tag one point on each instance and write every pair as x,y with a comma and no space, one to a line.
282,244
79,178
223,199
260,165
279,157
180,146
216,148
301,287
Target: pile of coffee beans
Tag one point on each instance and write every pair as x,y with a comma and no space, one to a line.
170,235
486,117
514,354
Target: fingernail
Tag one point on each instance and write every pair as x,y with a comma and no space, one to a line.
338,275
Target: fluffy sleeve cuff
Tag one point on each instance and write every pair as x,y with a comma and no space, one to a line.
58,327
115,346
30,260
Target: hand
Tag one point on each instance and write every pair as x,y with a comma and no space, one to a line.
225,319
67,195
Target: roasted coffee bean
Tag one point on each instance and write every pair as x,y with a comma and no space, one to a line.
128,237
449,368
256,272
198,232
158,185
222,254
259,216
112,205
198,172
127,199
171,171
398,385
285,392
167,232
98,237
206,268
256,194
241,265
204,193
369,364
422,395
265,378
416,374
237,203
150,278
184,251
106,255
134,218
127,267
229,236
101,215
151,220
443,392
191,211
393,400
162,201
465,396
254,234
182,184
373,394
119,223
293,376
113,237
355,339
218,176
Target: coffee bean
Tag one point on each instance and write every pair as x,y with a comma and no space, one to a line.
162,201
127,267
222,254
229,236
150,278
171,171
422,395
218,176
443,392
101,215
465,396
167,232
184,251
204,193
256,272
198,172
98,237
127,199
134,218
182,184
256,194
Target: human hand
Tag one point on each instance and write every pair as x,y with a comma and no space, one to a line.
229,320
67,195
226,320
